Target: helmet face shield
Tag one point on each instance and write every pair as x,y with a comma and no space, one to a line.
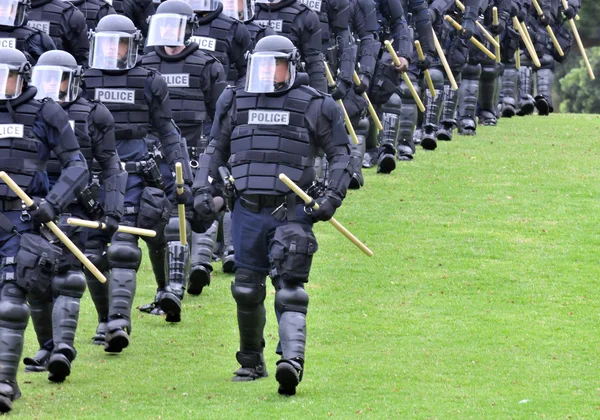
203,5
167,30
11,82
12,12
270,72
242,10
55,82
113,51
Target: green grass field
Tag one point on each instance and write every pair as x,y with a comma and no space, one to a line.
480,302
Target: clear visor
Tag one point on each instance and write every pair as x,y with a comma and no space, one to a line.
167,30
11,14
239,9
203,5
58,83
269,72
11,82
113,51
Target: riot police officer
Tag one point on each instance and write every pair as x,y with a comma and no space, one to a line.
30,130
301,25
64,23
243,10
136,96
196,80
58,76
272,233
14,33
224,37
137,10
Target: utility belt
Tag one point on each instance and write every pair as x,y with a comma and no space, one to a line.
148,170
12,205
256,202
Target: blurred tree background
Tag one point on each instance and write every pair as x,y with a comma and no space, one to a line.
574,90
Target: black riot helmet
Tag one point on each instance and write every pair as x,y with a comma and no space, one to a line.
13,12
57,75
242,10
171,25
272,65
114,43
15,73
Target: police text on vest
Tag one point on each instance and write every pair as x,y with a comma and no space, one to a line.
121,96
11,130
177,80
205,43
264,117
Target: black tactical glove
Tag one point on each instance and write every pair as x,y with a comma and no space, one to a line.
43,212
185,197
468,28
363,87
340,89
205,207
570,13
424,64
111,225
499,28
546,19
436,16
327,207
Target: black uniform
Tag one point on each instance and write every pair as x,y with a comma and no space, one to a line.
64,23
137,10
94,10
30,130
258,31
30,41
300,25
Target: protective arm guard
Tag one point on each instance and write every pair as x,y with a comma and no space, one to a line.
398,24
331,136
139,11
215,74
218,151
422,18
369,50
62,140
38,44
404,46
114,178
365,27
338,14
77,42
310,50
575,4
162,122
242,43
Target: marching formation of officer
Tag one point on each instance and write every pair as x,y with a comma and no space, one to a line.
183,119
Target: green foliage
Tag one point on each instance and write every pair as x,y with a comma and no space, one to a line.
579,93
480,302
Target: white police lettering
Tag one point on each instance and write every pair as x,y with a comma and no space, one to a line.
277,25
121,96
72,124
264,117
8,43
312,4
205,43
177,80
38,24
11,130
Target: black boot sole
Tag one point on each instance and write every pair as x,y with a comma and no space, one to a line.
526,109
287,376
171,305
542,107
58,368
198,279
508,112
387,164
428,143
5,404
116,342
228,265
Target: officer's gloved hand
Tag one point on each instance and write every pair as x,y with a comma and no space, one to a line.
436,16
327,207
468,28
340,90
546,19
499,28
205,207
570,13
403,64
185,197
44,213
363,87
111,225
426,63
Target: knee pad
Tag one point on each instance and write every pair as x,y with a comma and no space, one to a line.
36,262
249,287
291,297
171,230
547,62
14,311
291,252
154,211
71,284
95,251
393,105
124,252
406,95
490,73
437,77
471,72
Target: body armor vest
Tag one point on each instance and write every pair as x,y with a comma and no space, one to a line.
257,32
320,8
79,112
118,6
16,38
123,95
93,10
271,137
48,17
281,20
185,80
211,36
19,146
